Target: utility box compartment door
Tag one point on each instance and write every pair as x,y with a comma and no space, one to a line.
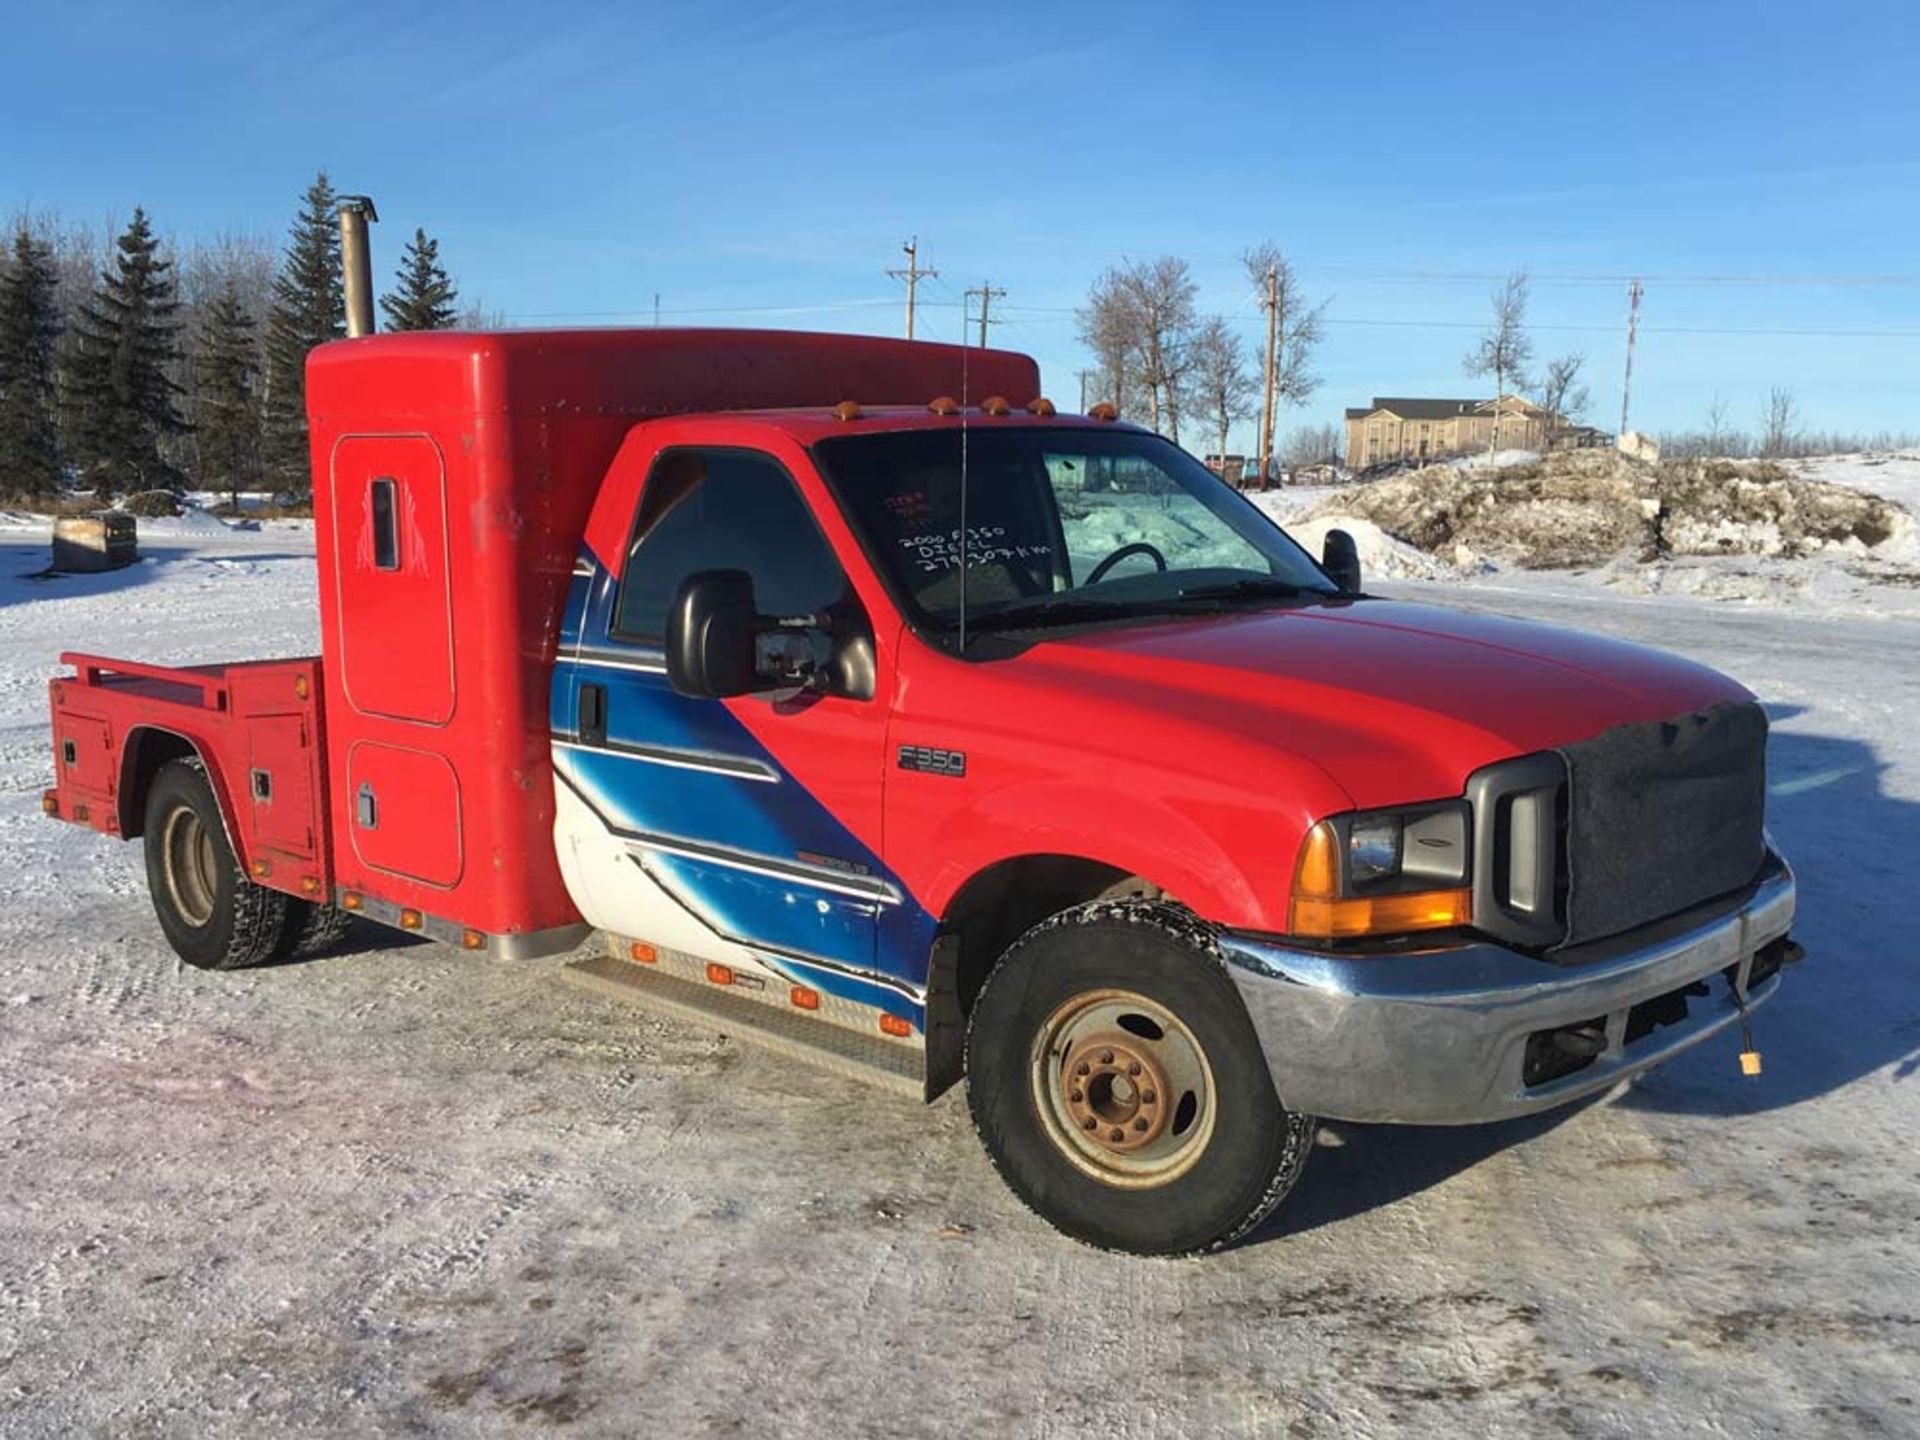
392,570
279,785
405,813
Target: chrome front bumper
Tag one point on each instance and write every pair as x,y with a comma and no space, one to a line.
1439,1037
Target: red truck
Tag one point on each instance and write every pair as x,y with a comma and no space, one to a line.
853,699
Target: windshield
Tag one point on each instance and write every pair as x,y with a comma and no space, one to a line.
1063,525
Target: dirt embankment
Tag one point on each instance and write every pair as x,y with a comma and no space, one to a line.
1589,507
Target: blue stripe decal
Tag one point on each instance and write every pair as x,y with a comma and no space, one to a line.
780,822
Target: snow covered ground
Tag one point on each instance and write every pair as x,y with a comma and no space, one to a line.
399,1189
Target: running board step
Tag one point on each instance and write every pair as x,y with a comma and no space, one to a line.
897,1066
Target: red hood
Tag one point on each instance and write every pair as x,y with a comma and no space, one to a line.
1394,701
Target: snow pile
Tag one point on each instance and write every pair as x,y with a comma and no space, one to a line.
1586,508
1498,460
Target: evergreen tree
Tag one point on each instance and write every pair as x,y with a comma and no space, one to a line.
29,326
424,297
309,309
120,391
226,409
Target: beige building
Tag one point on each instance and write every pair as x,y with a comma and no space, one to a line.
1405,429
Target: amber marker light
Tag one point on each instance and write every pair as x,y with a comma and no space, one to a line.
847,410
1320,912
1103,411
410,919
944,405
803,998
996,406
893,1025
472,940
719,974
643,952
350,900
1043,407
261,869
300,687
49,804
309,886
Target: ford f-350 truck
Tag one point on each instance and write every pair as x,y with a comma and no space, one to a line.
859,702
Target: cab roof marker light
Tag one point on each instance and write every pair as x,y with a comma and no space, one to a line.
944,405
1042,407
847,410
996,406
1103,411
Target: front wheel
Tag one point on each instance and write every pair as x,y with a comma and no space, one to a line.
1118,1085
213,915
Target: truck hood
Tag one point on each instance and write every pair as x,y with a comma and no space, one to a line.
1394,701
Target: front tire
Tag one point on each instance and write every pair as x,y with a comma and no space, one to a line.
212,914
1118,1086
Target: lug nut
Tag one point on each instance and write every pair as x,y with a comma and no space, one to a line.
1133,1067
1076,1096
1106,1057
1140,1124
1083,1068
1089,1123
1148,1098
1118,1134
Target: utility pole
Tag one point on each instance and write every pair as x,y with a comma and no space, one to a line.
1634,292
656,309
911,275
988,294
1085,376
1272,306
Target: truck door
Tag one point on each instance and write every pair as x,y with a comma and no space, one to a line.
741,831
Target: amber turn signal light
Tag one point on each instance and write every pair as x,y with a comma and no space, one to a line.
720,974
1320,912
803,998
893,1025
643,952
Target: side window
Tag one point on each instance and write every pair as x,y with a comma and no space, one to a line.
723,510
386,526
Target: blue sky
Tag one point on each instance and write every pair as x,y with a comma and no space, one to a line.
749,163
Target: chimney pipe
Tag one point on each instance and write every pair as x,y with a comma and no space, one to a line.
356,261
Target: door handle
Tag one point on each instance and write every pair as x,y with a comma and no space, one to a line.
593,714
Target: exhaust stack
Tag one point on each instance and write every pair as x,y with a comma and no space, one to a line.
356,260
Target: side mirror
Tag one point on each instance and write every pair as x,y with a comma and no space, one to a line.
1340,558
713,631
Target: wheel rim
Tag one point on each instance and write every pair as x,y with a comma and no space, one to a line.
187,844
1123,1088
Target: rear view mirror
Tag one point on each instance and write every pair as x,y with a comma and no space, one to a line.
1340,558
713,630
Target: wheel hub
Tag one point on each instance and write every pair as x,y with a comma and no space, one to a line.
1116,1093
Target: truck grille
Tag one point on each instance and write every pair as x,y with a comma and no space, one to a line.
1636,824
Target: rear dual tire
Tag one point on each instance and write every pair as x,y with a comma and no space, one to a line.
1118,1085
212,914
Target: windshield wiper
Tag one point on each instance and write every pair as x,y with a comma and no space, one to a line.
1065,610
1252,587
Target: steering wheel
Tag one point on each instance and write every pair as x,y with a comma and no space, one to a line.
1137,547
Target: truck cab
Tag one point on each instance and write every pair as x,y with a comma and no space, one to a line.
844,694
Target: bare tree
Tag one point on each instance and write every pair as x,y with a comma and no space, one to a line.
1295,326
1107,328
1505,351
1312,445
1779,422
1223,390
1717,430
1158,298
1562,395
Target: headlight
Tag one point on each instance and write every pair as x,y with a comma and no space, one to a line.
1384,872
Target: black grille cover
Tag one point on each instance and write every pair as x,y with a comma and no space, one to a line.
1663,815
